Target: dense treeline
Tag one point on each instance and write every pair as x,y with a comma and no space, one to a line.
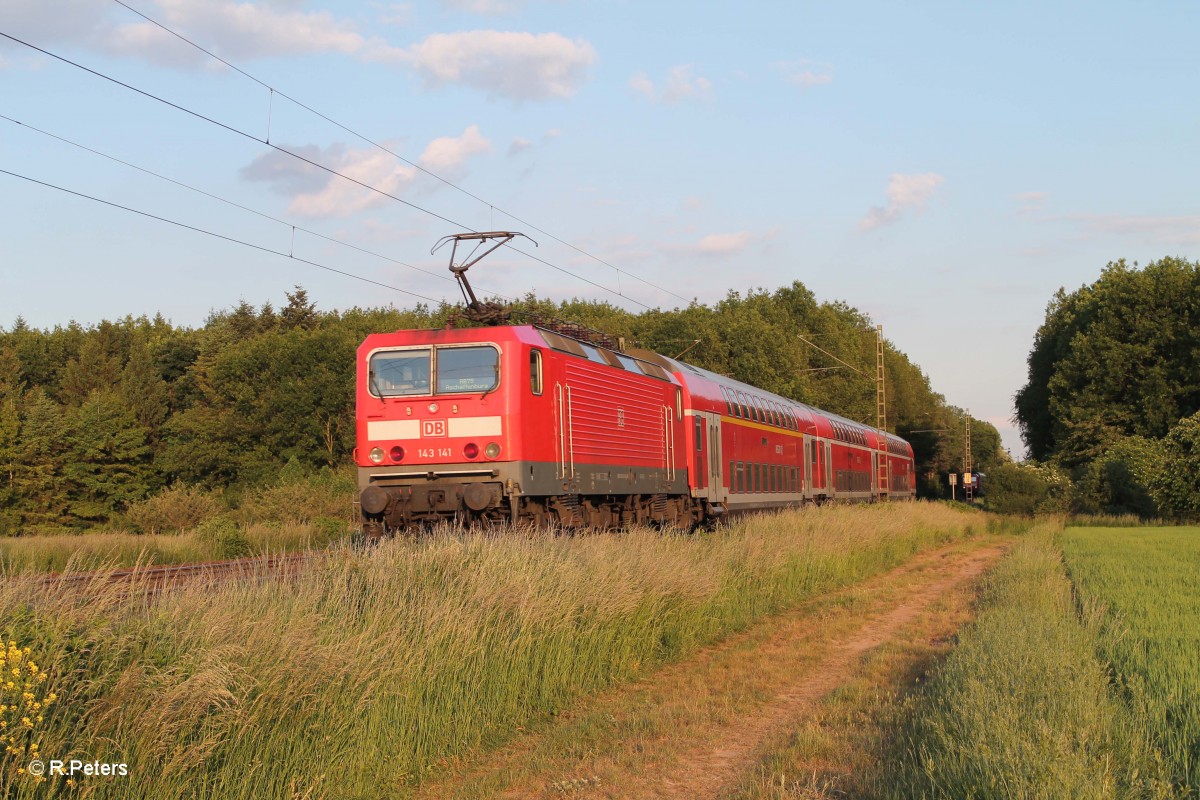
1111,410
95,419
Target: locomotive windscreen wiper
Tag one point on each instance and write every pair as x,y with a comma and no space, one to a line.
375,386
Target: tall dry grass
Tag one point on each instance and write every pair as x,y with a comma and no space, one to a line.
363,676
88,551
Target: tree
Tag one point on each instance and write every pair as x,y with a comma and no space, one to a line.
1118,358
142,388
39,484
108,457
11,396
299,312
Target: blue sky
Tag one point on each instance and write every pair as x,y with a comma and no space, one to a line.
944,167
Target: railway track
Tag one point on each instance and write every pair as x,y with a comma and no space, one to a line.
153,579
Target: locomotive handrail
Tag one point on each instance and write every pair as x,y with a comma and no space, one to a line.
571,429
566,432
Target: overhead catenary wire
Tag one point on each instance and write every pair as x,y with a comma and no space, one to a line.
235,204
820,349
309,161
224,237
274,91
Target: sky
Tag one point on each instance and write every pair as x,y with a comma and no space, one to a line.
942,167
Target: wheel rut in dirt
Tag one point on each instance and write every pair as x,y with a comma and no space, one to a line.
711,714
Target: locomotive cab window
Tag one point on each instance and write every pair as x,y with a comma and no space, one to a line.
396,373
467,369
535,371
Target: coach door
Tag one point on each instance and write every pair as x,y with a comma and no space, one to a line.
830,489
699,465
714,457
810,465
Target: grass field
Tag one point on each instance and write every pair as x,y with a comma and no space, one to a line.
1022,707
365,676
1148,579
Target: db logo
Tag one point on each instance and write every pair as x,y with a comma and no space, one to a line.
433,427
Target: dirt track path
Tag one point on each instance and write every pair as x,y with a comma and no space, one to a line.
693,729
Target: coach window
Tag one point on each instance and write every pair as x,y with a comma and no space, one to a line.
535,371
728,402
395,373
743,405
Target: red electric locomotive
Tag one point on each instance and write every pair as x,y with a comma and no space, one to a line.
522,423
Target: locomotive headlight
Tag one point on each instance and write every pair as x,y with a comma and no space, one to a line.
492,450
376,455
397,454
471,450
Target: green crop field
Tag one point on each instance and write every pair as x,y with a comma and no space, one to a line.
1149,581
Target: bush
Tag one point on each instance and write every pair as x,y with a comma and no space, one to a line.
1118,482
1027,489
174,510
1177,484
225,537
298,500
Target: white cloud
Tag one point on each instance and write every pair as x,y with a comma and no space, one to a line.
1030,202
235,30
1163,230
680,84
238,31
724,243
904,193
447,155
394,13
519,66
316,193
519,145
485,7
553,133
642,85
804,73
